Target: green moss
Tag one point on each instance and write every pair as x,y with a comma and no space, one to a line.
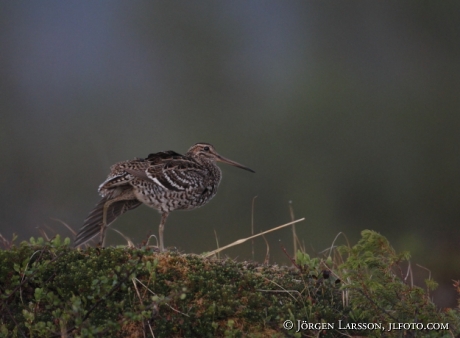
48,289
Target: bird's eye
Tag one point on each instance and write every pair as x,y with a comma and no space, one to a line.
206,148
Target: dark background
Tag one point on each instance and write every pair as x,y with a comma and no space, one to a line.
349,110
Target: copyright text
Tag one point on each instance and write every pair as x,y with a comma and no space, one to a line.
303,325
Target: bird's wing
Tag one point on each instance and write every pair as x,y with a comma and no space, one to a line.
162,157
177,174
122,173
138,173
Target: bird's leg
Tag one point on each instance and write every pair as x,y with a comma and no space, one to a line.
126,195
164,216
104,225
104,222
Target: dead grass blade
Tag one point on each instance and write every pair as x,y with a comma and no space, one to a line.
267,254
66,225
43,233
130,243
294,233
6,243
212,253
152,236
252,224
217,243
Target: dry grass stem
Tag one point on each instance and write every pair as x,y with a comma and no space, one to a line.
267,254
66,225
130,243
217,243
252,224
148,240
294,233
290,292
212,253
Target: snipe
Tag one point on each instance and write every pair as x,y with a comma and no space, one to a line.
165,181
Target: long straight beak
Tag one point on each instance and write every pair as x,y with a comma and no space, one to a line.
233,163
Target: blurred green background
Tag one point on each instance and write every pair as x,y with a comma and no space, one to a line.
349,110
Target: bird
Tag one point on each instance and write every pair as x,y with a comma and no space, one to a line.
165,181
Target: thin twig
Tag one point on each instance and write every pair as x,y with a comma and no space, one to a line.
153,293
140,301
293,261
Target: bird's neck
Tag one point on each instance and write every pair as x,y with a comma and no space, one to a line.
204,161
211,165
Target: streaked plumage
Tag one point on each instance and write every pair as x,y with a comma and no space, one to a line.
165,181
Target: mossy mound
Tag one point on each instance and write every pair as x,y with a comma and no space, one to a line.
49,289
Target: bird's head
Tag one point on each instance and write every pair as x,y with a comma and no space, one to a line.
207,151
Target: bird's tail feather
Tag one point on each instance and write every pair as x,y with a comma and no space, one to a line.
93,223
